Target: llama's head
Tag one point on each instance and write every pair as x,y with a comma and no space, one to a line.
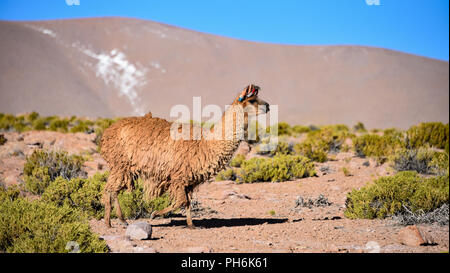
249,100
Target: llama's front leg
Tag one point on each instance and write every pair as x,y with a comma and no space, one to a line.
118,210
190,224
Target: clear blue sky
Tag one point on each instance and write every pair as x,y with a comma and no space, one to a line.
415,26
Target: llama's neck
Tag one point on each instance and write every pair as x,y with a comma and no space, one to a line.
231,127
226,136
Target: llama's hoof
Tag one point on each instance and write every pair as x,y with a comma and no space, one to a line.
153,215
191,227
108,225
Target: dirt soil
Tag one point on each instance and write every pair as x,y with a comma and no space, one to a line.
257,217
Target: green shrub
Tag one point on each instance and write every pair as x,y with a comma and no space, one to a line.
311,150
283,148
227,174
32,116
2,139
134,204
440,164
7,122
81,126
379,147
393,132
36,226
39,124
59,125
390,195
82,194
284,129
359,127
237,160
42,167
299,129
86,195
418,160
328,139
434,134
277,168
346,171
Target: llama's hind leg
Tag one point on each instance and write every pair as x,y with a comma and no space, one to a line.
107,201
189,222
179,199
113,186
118,209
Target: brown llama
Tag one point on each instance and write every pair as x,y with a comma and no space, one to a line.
143,147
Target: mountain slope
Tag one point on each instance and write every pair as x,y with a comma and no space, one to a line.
121,66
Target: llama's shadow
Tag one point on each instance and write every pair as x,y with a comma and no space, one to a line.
217,223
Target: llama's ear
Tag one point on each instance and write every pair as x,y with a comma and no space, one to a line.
250,90
244,93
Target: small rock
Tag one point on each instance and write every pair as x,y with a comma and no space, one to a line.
414,236
366,164
139,231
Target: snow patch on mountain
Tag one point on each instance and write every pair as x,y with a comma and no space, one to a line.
114,68
43,30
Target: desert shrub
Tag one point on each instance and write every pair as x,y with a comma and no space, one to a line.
311,150
359,127
82,194
32,116
320,201
227,174
379,147
42,167
418,160
277,168
7,122
36,226
39,124
328,139
434,134
237,160
59,125
299,129
10,193
283,148
20,125
283,129
346,171
439,165
81,126
86,195
134,204
2,139
394,132
390,195
407,217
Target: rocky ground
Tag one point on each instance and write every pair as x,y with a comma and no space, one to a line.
258,217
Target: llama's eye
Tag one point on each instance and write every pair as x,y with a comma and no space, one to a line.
252,101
